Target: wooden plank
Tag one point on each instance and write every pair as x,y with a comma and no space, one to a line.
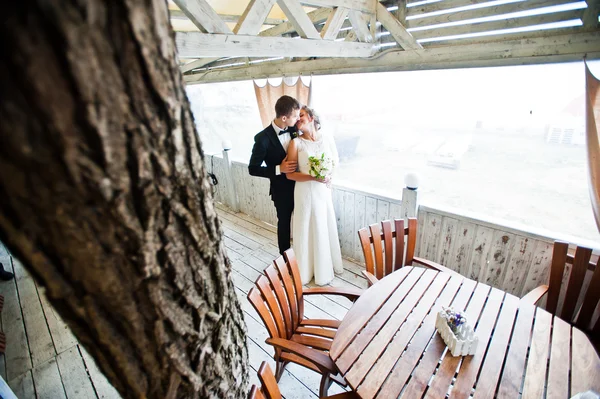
383,210
463,247
334,23
470,366
190,66
512,377
396,210
446,32
22,386
360,26
46,379
316,16
62,337
297,16
377,345
502,244
560,355
198,45
348,233
426,366
359,222
17,357
447,369
518,265
365,6
470,14
371,211
103,388
540,267
365,307
381,369
340,215
203,16
420,248
253,17
431,236
75,379
447,241
481,252
559,47
585,365
396,29
494,359
535,375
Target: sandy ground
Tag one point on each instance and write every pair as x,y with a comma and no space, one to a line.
509,175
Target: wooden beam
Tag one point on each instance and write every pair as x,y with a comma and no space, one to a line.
196,64
334,23
540,50
590,16
198,45
297,16
203,16
490,26
360,26
178,14
398,32
365,6
481,12
316,16
253,17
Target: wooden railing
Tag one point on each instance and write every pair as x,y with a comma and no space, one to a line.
512,259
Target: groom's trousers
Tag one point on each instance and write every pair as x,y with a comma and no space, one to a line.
284,221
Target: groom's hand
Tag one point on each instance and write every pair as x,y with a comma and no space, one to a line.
288,166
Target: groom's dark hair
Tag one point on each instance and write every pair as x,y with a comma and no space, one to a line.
285,105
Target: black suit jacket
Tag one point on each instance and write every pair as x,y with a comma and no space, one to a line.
268,148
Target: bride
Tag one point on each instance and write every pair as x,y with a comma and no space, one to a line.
316,242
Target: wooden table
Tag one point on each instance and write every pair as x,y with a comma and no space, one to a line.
387,345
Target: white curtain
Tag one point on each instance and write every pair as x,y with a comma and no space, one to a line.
267,96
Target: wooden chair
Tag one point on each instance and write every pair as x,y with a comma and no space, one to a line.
576,312
270,390
278,297
385,253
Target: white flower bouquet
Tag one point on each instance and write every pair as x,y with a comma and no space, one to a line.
321,167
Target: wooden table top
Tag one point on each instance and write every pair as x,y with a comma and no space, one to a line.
387,345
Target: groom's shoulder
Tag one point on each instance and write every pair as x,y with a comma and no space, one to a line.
263,133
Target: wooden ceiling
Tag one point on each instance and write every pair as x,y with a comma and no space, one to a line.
227,40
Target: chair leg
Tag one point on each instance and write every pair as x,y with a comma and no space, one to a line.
325,384
279,369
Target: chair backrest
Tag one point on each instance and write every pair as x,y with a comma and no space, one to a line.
269,388
578,304
389,247
277,296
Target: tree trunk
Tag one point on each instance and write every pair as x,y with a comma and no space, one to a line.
104,196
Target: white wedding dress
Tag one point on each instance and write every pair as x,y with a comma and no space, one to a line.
315,241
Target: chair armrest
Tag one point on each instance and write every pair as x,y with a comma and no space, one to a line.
371,279
320,359
433,265
535,295
350,293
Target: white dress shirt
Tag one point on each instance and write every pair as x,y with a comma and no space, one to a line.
284,139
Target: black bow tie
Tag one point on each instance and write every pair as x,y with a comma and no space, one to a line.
283,132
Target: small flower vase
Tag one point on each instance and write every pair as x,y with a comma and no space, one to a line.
462,341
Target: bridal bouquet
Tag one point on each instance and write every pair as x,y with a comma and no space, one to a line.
320,167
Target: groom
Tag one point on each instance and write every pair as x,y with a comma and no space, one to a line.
270,147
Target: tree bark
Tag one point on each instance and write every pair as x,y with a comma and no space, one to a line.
104,196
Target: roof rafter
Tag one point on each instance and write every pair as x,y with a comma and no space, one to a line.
198,45
203,16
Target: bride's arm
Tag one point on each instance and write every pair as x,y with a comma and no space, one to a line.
292,155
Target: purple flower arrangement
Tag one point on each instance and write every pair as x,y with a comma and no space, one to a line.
454,319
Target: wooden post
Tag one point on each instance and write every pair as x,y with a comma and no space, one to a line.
410,206
232,199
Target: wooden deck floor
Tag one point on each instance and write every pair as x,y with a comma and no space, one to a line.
44,360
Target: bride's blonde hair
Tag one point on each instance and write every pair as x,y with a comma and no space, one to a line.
316,120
